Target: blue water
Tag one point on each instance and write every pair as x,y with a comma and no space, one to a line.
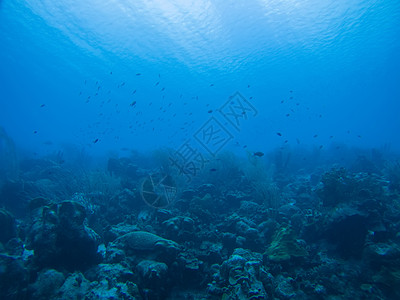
334,64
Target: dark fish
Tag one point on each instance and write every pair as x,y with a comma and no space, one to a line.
279,134
157,83
248,85
282,101
138,74
35,131
212,84
134,92
291,91
320,147
287,115
213,170
163,89
43,105
210,111
133,103
315,135
259,154
111,73
95,141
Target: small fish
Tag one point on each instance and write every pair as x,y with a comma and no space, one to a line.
111,73
134,92
282,101
210,111
287,115
248,85
95,141
35,131
163,89
320,147
43,105
258,153
133,103
279,134
157,83
138,74
213,170
315,135
212,84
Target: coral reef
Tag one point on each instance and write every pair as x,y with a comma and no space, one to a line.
325,234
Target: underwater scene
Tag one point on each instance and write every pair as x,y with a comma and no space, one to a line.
181,149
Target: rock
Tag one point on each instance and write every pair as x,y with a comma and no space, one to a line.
284,287
14,277
249,208
152,273
76,286
113,273
346,228
205,189
154,279
60,238
47,284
